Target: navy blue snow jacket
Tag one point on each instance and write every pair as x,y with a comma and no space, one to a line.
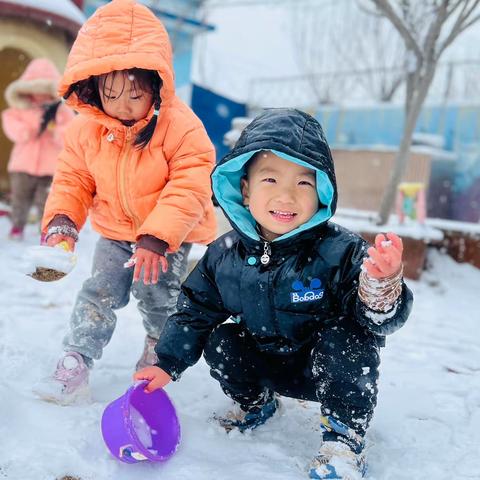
311,279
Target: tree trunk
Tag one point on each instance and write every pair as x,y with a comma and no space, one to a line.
401,159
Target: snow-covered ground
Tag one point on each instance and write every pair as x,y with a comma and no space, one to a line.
426,426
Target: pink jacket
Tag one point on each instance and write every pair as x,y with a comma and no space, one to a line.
33,154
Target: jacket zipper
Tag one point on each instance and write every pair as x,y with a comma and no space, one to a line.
265,260
122,183
267,251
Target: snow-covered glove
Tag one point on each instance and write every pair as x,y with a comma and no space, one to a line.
385,258
382,273
149,254
61,229
156,377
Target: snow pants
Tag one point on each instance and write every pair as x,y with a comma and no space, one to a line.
27,190
93,318
339,369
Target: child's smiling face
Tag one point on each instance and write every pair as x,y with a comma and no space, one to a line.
281,195
123,98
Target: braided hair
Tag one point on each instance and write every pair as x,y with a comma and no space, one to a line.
49,114
88,91
146,133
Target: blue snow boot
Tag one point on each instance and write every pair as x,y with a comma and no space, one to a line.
248,418
340,456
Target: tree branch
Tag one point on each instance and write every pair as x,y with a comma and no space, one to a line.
470,23
455,5
459,25
434,31
399,24
363,8
470,11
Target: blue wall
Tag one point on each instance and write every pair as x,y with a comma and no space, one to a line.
216,113
384,124
458,182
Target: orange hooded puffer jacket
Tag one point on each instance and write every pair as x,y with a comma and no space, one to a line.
161,190
32,153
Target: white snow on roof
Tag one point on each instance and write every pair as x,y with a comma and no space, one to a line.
61,8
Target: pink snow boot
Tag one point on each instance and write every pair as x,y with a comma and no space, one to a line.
16,233
149,357
69,383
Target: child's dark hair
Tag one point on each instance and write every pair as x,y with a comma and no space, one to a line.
147,80
49,114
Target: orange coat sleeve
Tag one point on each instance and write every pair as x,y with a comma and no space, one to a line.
73,186
183,201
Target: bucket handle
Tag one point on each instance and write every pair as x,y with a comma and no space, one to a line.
128,451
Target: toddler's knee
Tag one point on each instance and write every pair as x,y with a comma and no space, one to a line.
346,345
221,342
346,370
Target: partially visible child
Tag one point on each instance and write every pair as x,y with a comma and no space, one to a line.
138,161
35,122
310,300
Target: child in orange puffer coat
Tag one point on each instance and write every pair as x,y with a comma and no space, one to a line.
35,122
137,161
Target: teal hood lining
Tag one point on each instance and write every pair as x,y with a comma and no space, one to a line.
226,187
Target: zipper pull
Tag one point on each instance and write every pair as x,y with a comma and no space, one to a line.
265,258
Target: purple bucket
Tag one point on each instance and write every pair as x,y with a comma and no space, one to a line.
141,426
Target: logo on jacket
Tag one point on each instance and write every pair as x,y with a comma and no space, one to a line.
306,294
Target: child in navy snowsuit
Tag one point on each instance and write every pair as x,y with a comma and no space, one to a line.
311,303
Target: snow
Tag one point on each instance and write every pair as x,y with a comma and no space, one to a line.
46,257
428,139
141,428
426,425
465,227
62,8
380,318
361,221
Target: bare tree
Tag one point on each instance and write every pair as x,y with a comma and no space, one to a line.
312,52
371,63
374,53
428,28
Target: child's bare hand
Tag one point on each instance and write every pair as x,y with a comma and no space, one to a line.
150,262
157,378
56,238
385,258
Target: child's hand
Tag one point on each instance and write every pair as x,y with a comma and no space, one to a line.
149,261
157,378
385,258
56,238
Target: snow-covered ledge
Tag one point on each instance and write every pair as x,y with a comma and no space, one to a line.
461,240
365,221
